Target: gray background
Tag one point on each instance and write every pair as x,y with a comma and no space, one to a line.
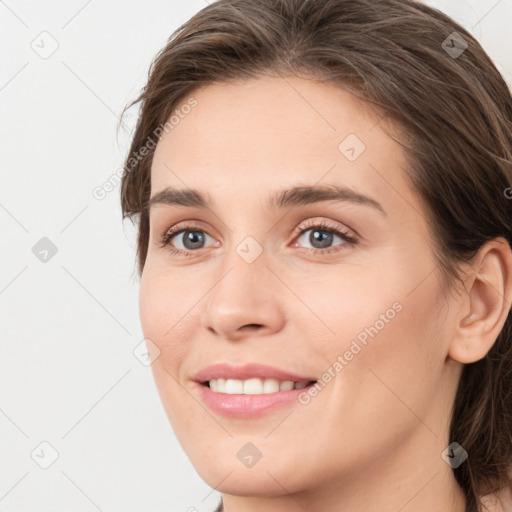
70,324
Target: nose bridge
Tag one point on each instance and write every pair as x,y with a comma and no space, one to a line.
244,266
246,242
243,293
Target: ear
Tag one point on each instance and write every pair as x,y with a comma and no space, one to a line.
484,309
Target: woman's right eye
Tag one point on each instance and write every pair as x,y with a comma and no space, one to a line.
193,237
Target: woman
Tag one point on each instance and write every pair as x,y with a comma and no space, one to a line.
324,197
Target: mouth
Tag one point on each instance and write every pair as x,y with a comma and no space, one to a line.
249,390
254,386
233,399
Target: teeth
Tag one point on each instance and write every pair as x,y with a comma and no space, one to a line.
255,386
286,385
270,385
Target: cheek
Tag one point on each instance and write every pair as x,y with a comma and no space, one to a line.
162,300
152,308
347,304
393,378
164,316
388,333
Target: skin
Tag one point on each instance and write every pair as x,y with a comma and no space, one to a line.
372,438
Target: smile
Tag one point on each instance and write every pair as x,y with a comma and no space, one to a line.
254,386
229,397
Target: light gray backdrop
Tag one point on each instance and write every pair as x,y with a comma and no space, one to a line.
81,424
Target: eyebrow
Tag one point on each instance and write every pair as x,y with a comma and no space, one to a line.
291,197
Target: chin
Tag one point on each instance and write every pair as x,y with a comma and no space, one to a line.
248,482
223,471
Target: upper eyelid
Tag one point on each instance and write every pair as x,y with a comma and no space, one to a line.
192,226
310,223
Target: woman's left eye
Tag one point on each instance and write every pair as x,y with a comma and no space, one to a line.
322,234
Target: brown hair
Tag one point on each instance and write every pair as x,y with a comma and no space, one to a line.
443,91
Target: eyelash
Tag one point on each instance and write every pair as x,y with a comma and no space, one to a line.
319,226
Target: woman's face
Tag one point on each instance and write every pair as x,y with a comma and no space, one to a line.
257,281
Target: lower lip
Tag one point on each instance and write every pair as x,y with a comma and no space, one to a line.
247,406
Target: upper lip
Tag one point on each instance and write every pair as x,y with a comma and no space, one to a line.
246,371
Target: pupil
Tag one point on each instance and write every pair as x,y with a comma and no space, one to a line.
192,236
318,236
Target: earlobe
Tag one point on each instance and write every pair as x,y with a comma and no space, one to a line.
485,307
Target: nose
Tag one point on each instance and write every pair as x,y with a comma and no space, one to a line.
245,302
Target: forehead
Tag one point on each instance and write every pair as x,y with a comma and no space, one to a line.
242,137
